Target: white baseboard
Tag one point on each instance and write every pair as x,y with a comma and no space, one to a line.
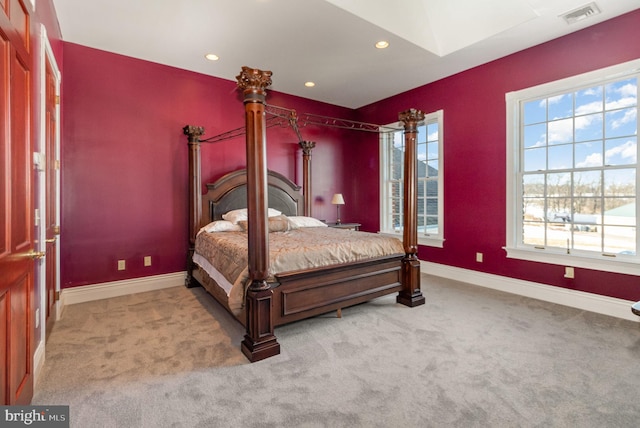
38,363
610,306
105,290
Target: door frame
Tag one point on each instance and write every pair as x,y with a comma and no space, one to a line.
46,55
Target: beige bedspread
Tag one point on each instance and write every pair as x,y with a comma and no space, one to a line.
293,250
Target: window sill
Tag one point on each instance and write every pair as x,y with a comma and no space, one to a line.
431,242
623,266
422,240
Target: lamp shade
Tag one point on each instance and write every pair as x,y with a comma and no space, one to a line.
337,199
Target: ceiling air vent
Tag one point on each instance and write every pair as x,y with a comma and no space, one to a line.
583,12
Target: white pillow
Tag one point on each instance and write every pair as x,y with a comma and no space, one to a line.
241,214
220,226
301,221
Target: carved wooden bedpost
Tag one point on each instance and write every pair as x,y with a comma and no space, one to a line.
307,147
410,294
259,342
195,194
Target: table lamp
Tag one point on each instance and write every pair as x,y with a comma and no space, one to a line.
337,200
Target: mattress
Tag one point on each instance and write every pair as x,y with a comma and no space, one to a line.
224,255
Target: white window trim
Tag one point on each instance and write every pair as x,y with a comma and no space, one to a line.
430,241
556,256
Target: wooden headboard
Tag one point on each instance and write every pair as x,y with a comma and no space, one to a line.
230,193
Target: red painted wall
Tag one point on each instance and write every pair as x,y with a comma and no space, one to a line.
46,15
124,160
474,150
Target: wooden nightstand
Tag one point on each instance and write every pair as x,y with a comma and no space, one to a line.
351,226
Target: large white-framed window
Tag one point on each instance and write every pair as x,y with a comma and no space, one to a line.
430,180
572,182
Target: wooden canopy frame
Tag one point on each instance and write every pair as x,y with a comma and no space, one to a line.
260,341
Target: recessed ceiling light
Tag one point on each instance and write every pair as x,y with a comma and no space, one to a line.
212,57
382,44
309,84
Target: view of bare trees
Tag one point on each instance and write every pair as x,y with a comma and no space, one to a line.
587,196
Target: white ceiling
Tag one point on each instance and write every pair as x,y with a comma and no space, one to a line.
329,42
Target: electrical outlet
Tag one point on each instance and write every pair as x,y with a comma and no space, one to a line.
147,260
37,317
479,257
569,273
122,265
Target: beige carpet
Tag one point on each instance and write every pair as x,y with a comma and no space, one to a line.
470,357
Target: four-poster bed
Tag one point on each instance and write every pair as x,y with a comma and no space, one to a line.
270,300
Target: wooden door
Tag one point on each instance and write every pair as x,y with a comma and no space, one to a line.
16,206
51,198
